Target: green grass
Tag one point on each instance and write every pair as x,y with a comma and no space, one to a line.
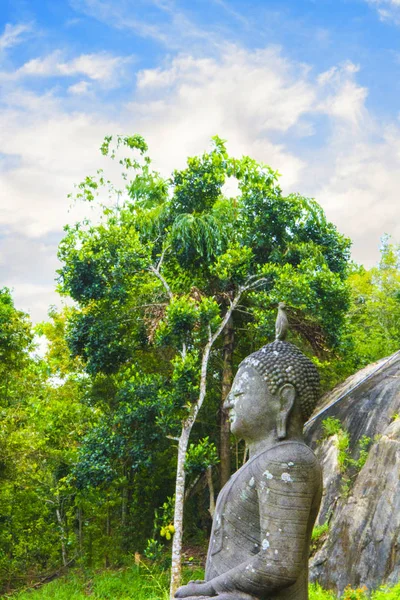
132,583
144,583
384,593
317,593
319,531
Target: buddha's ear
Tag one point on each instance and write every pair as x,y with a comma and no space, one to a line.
287,395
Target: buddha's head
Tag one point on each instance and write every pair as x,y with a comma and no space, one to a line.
275,389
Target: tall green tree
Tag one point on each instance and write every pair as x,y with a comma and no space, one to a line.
171,262
41,419
374,314
16,337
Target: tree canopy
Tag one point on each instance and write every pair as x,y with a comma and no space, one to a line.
186,233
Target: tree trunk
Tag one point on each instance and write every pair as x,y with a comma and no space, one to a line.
210,484
176,565
108,534
187,425
128,544
90,549
63,537
124,500
227,375
80,530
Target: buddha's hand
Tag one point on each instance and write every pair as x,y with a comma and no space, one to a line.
196,588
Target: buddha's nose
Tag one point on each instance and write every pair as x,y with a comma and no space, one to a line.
228,401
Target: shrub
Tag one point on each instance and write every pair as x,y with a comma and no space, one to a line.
331,426
317,593
387,593
358,594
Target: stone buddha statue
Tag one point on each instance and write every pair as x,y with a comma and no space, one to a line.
265,514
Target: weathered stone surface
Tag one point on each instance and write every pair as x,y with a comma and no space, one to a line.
265,513
328,458
363,545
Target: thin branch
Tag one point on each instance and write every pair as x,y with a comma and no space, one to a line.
205,359
155,304
244,312
163,281
233,305
160,262
250,278
143,306
191,487
184,350
255,284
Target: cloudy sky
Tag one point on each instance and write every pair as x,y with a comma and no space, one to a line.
311,87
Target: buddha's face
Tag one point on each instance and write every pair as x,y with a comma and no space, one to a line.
252,408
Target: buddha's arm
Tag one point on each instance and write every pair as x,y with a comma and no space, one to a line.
285,501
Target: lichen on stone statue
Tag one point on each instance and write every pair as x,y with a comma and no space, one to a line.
265,514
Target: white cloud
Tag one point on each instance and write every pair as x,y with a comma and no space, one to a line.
28,267
233,13
388,10
264,104
161,21
34,299
244,96
82,87
41,346
388,3
97,66
343,98
53,147
13,35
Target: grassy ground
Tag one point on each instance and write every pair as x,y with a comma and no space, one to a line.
132,583
385,593
144,583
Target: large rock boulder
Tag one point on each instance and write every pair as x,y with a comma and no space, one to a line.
360,503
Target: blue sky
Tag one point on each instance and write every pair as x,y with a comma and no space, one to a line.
308,86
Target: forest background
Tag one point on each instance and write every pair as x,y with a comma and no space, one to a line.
173,284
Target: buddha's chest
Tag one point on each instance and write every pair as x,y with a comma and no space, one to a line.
235,534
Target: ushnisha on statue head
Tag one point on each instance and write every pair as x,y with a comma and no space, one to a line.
275,390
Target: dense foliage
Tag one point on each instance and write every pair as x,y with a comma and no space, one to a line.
374,316
42,421
372,325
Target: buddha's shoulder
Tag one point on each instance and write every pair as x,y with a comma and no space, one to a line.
292,453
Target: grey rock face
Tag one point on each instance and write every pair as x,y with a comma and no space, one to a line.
363,544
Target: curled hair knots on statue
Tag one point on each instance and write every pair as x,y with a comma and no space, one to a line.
281,362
